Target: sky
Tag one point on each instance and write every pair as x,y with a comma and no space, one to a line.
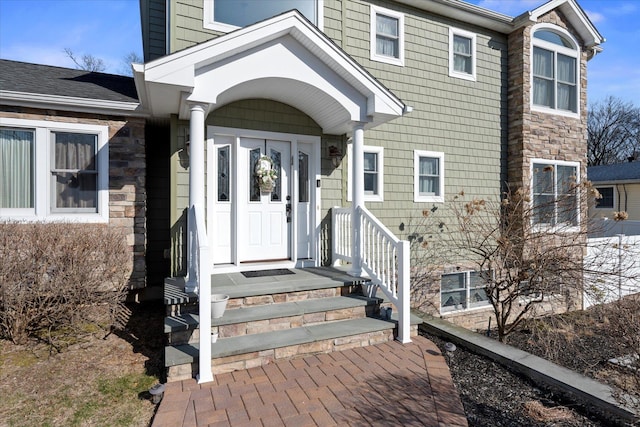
38,31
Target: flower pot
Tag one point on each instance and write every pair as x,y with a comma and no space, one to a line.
218,305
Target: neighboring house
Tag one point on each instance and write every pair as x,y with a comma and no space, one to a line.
72,148
390,105
619,188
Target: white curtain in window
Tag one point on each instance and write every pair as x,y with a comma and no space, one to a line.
566,83
387,36
429,176
462,54
75,173
16,168
543,77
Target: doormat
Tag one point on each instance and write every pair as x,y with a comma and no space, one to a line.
265,273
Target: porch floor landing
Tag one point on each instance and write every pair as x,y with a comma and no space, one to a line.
384,384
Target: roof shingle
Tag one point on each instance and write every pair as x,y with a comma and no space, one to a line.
48,80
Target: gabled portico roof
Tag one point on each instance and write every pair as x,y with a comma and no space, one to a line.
284,58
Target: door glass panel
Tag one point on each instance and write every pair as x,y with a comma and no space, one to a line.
254,189
223,174
303,177
276,194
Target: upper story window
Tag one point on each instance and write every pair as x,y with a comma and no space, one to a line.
554,71
606,199
373,165
51,170
227,15
462,54
428,176
387,36
555,200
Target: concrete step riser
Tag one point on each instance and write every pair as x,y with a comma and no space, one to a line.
261,358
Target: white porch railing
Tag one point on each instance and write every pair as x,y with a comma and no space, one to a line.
385,259
200,278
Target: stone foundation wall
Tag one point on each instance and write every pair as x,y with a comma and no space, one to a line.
127,175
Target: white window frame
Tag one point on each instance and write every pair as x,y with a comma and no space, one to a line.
417,197
469,305
452,71
375,11
556,49
379,151
556,226
44,209
614,198
209,22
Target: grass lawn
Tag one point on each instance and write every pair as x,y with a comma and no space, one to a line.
90,380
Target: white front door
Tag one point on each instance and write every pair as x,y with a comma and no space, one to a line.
264,221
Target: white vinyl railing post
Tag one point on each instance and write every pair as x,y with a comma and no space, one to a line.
404,293
205,373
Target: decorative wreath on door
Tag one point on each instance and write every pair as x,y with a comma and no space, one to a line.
265,174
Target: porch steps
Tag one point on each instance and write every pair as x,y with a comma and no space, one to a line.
248,319
316,310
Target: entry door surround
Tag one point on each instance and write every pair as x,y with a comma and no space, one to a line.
248,229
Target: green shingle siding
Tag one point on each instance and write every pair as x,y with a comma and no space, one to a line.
464,119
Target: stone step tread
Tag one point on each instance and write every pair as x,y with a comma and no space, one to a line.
186,353
269,311
236,286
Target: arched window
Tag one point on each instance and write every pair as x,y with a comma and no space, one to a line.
555,71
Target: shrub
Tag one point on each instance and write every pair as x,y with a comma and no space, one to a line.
52,274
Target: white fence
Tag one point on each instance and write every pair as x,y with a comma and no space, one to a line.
612,268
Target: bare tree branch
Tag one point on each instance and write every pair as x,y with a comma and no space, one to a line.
86,62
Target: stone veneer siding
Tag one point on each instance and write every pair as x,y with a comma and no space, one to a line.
534,134
127,175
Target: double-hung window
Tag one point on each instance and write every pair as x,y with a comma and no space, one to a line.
555,199
387,36
462,54
52,170
428,170
373,176
228,15
462,290
554,71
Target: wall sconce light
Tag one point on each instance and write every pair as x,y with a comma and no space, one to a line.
183,152
335,154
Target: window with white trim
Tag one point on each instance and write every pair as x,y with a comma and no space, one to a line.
554,71
606,200
428,176
51,170
462,291
387,36
462,54
373,165
228,15
555,199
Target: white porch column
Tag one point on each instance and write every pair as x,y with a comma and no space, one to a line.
357,198
196,187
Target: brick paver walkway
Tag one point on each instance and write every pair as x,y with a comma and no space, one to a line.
385,384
